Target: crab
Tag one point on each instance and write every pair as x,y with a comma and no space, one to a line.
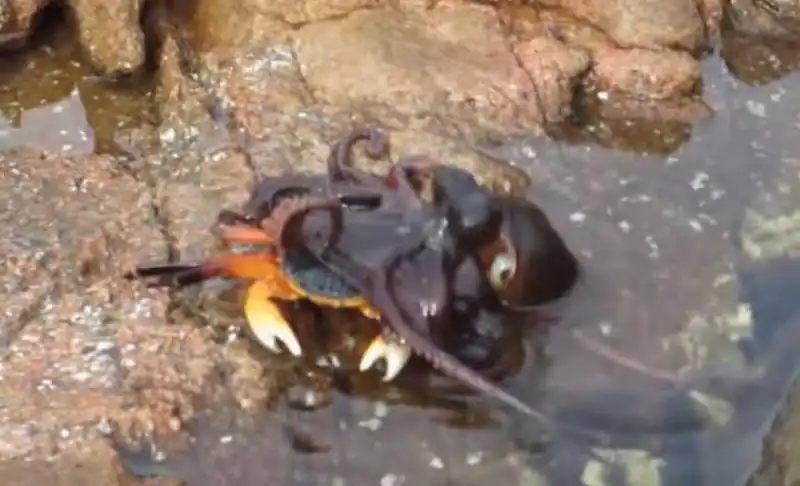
465,245
276,273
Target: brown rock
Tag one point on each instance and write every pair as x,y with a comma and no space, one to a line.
527,22
452,59
182,115
92,462
216,24
646,74
779,18
213,24
658,85
71,225
63,217
110,34
80,346
243,62
253,86
16,21
711,11
758,60
191,189
555,69
647,24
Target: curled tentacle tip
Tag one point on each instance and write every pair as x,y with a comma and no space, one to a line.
378,144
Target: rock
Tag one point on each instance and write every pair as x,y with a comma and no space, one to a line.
256,21
655,86
71,225
778,467
191,189
17,21
110,34
212,24
91,462
81,347
645,74
634,23
712,11
242,62
632,72
780,18
451,60
770,226
756,60
182,114
454,61
555,69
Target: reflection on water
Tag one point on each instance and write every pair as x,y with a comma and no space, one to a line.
55,127
50,100
678,346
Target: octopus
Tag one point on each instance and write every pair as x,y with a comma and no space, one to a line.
423,249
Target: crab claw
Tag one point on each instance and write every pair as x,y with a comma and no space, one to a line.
394,353
267,322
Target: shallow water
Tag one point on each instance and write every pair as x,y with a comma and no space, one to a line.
662,241
677,347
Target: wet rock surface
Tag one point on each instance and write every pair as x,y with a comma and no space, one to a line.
17,21
641,24
110,34
679,332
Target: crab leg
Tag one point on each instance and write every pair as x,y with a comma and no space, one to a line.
394,351
262,265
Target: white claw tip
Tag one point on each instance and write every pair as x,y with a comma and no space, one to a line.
269,334
268,325
395,356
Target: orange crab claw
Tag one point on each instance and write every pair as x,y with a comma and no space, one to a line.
265,319
263,316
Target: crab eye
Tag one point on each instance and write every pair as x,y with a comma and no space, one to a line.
502,270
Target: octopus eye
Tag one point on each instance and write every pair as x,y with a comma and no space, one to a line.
502,270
